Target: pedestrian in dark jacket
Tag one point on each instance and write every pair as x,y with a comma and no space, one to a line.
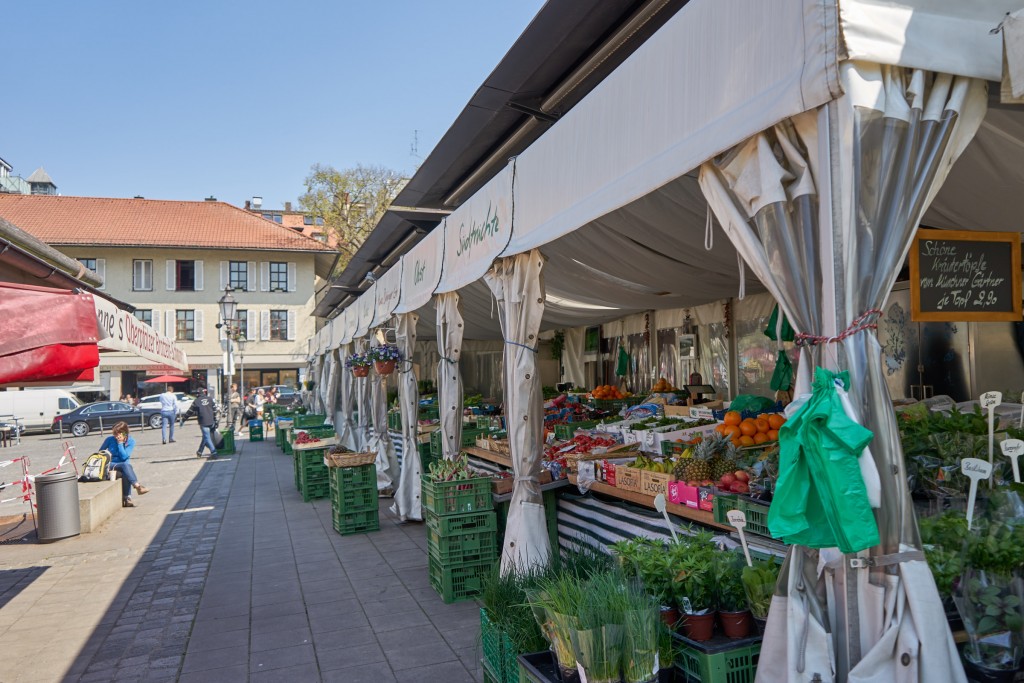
206,414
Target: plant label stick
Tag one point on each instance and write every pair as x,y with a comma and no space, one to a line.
659,505
1012,448
739,520
1020,422
989,400
974,469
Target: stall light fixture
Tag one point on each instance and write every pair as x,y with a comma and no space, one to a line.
402,247
572,303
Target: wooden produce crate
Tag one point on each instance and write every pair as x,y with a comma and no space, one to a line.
628,478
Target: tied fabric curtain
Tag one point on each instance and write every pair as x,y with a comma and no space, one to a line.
331,386
362,400
449,391
380,441
518,287
572,357
823,207
407,496
344,424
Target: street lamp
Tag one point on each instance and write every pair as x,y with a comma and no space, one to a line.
228,307
241,357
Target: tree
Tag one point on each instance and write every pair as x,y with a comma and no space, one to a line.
351,202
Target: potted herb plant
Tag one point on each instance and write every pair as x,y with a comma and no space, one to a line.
733,614
759,586
384,358
599,637
555,603
698,591
359,364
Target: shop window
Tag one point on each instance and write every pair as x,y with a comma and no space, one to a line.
145,315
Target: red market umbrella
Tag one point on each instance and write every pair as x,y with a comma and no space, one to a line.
164,379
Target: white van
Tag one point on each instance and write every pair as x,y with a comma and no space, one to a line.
36,407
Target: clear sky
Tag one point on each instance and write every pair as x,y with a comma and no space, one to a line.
192,98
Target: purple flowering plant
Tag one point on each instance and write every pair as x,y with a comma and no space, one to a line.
358,360
384,352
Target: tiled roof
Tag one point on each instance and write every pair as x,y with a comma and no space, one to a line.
149,223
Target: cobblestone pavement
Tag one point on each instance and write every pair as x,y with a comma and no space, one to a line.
241,581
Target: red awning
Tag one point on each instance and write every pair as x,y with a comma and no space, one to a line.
46,334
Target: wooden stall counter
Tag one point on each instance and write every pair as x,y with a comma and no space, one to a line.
700,516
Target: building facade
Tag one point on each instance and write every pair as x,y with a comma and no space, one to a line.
173,262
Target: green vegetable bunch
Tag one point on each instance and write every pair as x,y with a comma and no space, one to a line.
456,469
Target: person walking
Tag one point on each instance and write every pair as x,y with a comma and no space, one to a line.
234,408
168,413
206,414
120,445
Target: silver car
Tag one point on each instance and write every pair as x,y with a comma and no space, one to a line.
184,401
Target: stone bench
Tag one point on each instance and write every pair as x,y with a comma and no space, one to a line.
97,500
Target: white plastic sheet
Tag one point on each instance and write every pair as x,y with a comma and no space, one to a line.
408,505
518,288
380,442
449,389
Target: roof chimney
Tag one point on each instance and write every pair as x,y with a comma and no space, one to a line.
211,198
257,202
287,206
138,196
248,205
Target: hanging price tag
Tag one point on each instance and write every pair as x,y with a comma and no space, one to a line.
989,401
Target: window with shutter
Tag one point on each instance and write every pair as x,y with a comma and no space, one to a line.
292,276
172,277
184,325
278,276
101,270
197,334
250,274
238,277
223,275
170,325
142,275
291,325
264,325
279,325
250,325
197,280
264,276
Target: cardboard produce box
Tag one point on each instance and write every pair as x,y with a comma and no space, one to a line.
653,483
628,478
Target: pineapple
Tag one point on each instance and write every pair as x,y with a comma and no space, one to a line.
697,469
719,453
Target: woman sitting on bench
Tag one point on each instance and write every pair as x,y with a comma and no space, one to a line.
120,446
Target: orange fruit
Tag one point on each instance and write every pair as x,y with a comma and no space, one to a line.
762,425
773,435
732,431
721,429
748,427
760,437
732,418
775,420
746,440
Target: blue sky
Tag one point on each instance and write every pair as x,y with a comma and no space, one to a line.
192,98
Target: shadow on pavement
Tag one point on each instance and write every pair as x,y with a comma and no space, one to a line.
13,581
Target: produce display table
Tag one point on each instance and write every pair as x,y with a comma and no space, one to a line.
490,456
700,516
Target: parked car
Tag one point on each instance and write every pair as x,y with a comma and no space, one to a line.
84,419
286,395
184,401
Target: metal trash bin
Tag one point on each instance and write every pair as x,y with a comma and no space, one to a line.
57,501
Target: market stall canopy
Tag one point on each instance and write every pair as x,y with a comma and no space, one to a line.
122,331
165,379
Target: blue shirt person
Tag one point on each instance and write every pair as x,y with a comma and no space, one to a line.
120,445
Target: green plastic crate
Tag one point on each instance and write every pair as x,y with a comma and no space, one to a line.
724,664
227,446
453,525
320,431
255,430
364,475
395,421
359,522
312,420
459,582
429,413
456,497
464,548
348,499
614,405
757,513
469,437
501,660
567,431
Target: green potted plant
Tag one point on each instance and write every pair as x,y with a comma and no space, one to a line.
652,564
384,358
759,586
599,636
359,364
555,603
697,574
733,614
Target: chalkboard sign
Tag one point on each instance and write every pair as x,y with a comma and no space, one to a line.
960,276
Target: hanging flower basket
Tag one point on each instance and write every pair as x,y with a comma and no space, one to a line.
384,357
359,364
384,367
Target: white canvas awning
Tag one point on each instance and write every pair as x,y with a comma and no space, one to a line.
122,331
421,271
388,290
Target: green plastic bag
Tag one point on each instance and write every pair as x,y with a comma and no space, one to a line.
751,403
788,334
622,365
820,499
782,377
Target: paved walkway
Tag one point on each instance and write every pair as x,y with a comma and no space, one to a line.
242,581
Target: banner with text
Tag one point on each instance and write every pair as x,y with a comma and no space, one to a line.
421,271
389,289
364,310
122,331
477,232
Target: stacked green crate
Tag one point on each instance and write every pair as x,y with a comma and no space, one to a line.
395,420
311,420
354,499
469,437
227,446
312,473
461,535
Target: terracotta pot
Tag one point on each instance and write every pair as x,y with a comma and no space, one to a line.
735,624
361,371
699,626
670,616
384,367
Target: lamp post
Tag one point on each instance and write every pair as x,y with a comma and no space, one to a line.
241,356
228,306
